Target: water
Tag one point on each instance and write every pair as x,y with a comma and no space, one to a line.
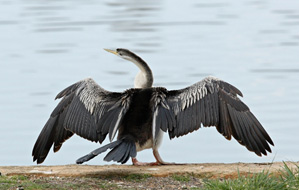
47,45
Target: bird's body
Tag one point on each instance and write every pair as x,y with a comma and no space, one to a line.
139,115
142,114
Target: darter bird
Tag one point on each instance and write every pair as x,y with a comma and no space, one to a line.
141,115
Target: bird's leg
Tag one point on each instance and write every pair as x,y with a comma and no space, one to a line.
137,163
159,160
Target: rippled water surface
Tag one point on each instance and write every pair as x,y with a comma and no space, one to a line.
47,45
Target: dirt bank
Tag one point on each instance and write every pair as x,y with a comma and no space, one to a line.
208,170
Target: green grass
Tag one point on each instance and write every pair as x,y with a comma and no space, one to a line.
181,178
20,181
287,180
136,177
260,181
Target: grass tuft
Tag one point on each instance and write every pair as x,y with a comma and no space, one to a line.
289,177
263,181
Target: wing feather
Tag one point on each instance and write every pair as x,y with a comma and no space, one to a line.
61,133
85,109
211,102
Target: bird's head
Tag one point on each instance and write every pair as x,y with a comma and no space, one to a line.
144,79
125,54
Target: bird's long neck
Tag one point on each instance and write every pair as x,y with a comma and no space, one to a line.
144,79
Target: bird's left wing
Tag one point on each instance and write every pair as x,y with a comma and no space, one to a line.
210,102
87,110
93,111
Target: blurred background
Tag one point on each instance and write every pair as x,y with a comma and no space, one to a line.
46,46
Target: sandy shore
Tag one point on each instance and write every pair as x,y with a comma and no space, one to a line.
209,170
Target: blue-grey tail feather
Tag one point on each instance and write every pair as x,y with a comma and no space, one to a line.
121,151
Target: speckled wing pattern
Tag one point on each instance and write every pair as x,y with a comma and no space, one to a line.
210,102
87,110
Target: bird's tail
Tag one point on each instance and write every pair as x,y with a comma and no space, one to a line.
121,151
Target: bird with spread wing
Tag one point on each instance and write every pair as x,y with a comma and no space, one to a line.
141,115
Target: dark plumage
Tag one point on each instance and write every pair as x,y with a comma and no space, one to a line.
141,115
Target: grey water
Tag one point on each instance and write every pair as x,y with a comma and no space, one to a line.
47,45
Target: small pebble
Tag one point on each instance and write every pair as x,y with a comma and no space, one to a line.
20,188
153,169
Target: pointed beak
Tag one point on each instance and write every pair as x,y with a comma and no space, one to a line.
111,51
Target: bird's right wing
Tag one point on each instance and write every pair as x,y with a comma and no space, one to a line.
87,110
210,102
